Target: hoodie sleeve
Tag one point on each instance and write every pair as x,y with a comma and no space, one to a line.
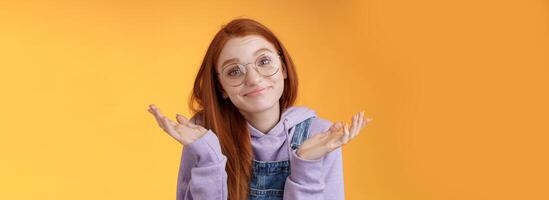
320,179
202,172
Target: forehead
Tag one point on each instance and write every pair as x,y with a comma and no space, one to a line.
243,48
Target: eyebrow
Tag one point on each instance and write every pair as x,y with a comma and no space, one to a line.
255,54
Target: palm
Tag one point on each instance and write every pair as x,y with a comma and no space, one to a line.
336,136
185,132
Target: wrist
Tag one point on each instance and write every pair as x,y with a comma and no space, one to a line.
310,155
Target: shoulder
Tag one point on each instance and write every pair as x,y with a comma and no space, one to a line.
319,124
298,114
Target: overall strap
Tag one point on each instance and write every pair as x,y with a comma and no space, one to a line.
301,133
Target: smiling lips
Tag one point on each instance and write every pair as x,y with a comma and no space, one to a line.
257,92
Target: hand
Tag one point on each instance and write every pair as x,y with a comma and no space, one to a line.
337,135
185,132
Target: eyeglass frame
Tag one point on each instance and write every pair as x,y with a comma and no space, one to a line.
279,55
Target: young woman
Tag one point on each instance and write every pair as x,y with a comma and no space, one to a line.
246,140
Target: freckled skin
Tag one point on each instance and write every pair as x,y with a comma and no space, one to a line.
261,110
243,49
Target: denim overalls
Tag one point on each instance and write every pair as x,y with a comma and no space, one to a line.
268,177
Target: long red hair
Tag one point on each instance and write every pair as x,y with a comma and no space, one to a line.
221,116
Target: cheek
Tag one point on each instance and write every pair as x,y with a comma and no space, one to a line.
278,83
229,91
232,91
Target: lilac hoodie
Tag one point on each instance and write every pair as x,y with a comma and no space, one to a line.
202,170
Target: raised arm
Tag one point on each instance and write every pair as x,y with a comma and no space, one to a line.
202,170
315,179
317,166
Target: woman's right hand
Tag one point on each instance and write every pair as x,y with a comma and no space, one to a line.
185,132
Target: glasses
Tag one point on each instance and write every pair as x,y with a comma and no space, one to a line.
266,64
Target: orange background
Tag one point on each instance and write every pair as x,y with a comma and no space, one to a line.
458,92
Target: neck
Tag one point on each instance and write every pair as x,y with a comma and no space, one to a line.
264,120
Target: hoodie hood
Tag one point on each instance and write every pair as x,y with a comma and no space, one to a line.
288,119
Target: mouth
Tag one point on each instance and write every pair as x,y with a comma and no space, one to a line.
257,92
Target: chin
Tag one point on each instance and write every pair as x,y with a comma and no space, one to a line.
256,104
252,107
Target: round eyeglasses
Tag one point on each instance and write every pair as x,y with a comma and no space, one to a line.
266,64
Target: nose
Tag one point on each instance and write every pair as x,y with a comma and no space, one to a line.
252,77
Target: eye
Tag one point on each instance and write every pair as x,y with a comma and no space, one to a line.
234,71
264,60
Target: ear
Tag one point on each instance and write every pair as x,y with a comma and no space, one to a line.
224,95
284,71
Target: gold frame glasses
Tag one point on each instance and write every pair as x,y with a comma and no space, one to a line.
238,71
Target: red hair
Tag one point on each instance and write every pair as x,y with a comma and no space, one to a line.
221,116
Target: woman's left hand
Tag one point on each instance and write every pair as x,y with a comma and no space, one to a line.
337,135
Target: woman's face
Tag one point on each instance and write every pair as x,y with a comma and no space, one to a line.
257,92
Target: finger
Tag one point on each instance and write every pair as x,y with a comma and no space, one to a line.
340,129
188,122
182,119
355,128
339,126
354,125
160,122
345,137
155,117
185,121
164,123
153,107
159,117
360,121
170,125
178,128
333,127
361,124
155,110
367,121
347,133
334,134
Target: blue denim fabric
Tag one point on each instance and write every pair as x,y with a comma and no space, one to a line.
269,177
